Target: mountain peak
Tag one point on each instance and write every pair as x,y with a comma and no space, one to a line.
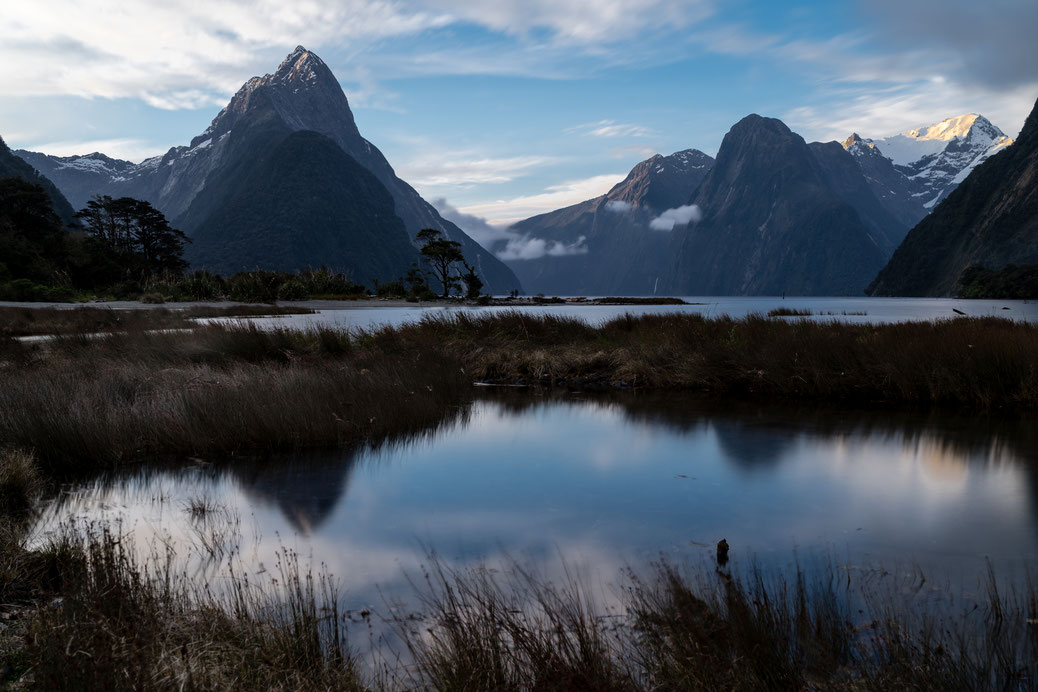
300,66
852,140
304,92
857,146
954,128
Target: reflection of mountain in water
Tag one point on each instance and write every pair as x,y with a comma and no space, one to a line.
752,444
306,486
755,436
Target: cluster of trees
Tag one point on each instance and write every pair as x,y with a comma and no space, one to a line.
1009,282
119,241
126,248
135,235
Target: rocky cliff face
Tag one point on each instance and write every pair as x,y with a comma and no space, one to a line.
301,95
779,216
606,246
990,219
900,195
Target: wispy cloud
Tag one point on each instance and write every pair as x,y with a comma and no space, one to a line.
505,242
618,206
183,54
476,227
530,248
585,22
460,168
508,211
135,150
679,216
177,53
610,128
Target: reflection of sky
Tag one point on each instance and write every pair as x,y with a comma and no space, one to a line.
876,310
603,488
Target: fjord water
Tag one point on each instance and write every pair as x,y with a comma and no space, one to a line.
602,481
849,310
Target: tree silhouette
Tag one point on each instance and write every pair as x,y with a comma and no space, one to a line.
137,233
441,254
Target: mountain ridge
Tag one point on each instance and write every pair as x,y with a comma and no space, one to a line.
772,223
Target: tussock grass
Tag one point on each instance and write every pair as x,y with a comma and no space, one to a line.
20,481
976,363
216,391
90,320
789,312
224,389
707,629
123,626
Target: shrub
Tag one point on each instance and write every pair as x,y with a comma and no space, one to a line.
293,290
19,481
254,287
200,285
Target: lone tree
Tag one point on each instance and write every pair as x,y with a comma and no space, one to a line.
473,284
442,254
137,233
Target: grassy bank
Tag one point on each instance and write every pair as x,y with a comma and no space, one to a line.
88,402
979,363
91,320
220,389
121,625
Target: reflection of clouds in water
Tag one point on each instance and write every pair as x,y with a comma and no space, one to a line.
601,482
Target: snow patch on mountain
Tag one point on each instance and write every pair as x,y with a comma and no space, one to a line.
934,159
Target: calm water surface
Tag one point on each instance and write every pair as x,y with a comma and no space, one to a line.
854,310
603,481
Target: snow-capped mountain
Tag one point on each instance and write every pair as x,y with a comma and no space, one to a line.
933,160
990,220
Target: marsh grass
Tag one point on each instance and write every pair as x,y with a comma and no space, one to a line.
20,481
227,389
975,363
121,625
702,628
17,321
216,391
629,300
789,312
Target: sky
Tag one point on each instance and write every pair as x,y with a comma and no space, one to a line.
501,109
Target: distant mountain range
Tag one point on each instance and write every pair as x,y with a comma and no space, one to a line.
252,192
989,219
772,215
283,179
